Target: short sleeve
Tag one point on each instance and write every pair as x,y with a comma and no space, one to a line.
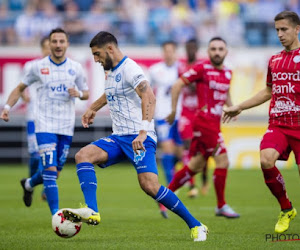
134,74
195,73
30,73
80,80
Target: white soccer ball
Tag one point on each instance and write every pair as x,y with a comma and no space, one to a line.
63,227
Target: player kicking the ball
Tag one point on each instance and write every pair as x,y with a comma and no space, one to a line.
131,103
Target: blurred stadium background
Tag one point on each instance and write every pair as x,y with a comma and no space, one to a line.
141,26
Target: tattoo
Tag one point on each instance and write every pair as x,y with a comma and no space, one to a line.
143,87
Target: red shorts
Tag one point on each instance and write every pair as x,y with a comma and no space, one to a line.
185,126
207,142
283,140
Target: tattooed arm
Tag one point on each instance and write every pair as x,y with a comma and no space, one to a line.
148,107
148,100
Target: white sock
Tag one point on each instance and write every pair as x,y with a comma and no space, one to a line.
27,185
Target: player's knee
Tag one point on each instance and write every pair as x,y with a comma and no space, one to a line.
149,188
266,161
81,156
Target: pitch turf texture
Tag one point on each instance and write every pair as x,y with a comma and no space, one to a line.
131,220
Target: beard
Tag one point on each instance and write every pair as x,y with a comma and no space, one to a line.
217,60
108,64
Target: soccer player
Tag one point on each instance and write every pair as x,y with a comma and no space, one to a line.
212,83
282,135
131,103
189,108
30,98
59,81
162,77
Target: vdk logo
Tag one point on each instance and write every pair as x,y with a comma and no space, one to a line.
60,88
139,156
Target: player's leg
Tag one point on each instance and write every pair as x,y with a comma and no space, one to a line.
104,152
219,177
168,157
204,179
149,183
146,168
32,149
195,166
274,145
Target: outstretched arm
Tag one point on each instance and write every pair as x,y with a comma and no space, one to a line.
89,115
258,99
12,100
178,85
148,107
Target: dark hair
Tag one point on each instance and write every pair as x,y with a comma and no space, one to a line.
58,30
103,38
289,15
192,40
169,42
217,38
43,40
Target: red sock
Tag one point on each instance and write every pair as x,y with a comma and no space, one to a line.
275,183
181,177
219,178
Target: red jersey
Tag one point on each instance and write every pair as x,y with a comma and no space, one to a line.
284,79
212,87
189,97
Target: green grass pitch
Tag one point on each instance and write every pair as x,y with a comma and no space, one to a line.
131,220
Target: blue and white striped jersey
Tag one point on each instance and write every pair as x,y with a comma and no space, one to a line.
31,107
162,79
124,103
55,108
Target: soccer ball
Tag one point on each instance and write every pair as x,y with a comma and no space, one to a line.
63,227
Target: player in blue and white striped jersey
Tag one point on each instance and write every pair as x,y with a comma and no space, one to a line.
59,81
131,103
30,98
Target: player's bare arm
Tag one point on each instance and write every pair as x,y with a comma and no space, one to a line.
147,96
260,98
89,115
12,100
179,84
82,95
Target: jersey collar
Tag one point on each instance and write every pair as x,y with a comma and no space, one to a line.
119,64
57,64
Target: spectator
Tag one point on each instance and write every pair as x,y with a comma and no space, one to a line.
49,19
96,20
27,25
7,33
73,23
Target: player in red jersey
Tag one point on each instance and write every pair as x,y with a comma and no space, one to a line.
212,87
282,135
189,108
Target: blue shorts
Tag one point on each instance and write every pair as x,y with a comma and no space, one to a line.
119,148
165,131
31,138
53,149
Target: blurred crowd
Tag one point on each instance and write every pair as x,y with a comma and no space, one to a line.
143,22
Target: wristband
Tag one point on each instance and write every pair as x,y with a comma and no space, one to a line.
145,125
80,94
7,107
